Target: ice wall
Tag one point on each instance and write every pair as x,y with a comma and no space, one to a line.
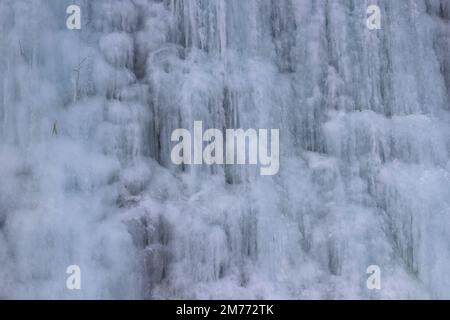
85,124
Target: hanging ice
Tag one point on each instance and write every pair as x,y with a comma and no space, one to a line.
86,178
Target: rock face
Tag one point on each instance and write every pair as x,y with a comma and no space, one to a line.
86,118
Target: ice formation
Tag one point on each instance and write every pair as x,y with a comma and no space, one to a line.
86,178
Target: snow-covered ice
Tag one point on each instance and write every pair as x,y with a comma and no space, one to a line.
86,178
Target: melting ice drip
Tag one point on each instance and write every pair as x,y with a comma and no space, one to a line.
364,131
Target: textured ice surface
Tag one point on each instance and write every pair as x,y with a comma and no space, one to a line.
365,141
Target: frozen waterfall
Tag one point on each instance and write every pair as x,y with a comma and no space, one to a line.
86,177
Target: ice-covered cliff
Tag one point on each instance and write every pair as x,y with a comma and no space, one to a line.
86,178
